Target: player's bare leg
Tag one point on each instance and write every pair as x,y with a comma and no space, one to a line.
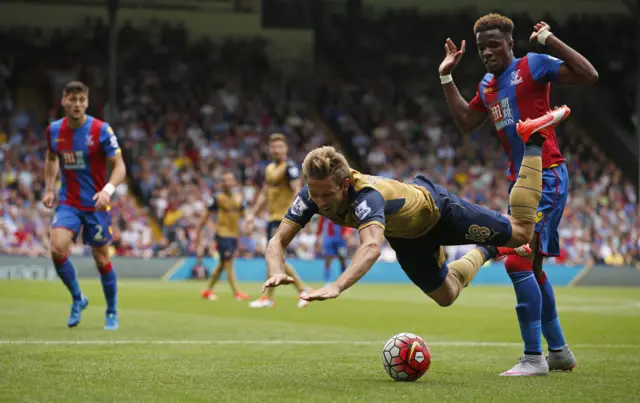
233,282
61,239
560,357
109,285
290,271
462,271
267,300
208,293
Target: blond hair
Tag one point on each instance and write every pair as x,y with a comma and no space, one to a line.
325,162
277,137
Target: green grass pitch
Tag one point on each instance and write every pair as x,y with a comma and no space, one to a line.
172,346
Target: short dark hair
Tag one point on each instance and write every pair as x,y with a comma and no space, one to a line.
494,21
73,87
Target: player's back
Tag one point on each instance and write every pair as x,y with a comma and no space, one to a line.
82,153
229,208
278,176
405,210
520,92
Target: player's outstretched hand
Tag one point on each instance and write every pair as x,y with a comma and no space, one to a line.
102,199
48,199
452,56
276,280
328,292
537,29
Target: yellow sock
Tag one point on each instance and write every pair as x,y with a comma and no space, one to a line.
527,191
466,268
292,272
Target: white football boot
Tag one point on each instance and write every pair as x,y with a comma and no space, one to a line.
529,365
301,302
562,360
263,302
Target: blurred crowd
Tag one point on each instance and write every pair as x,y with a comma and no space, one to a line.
191,109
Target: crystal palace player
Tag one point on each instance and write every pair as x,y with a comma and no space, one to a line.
331,238
80,145
516,89
417,219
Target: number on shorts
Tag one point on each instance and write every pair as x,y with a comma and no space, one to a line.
99,237
478,234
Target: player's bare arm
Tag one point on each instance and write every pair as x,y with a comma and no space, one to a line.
203,221
258,207
275,255
371,239
118,174
296,185
466,118
576,69
51,169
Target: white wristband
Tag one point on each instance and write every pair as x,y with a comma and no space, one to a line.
446,79
109,188
542,36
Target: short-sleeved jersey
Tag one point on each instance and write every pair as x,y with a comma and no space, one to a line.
520,92
229,208
403,210
279,194
82,155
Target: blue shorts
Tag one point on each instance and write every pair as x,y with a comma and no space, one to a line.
96,225
461,223
226,247
272,227
555,190
334,247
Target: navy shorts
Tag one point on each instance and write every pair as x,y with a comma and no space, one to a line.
272,227
226,247
461,223
555,190
96,225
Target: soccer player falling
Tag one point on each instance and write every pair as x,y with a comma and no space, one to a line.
515,89
229,206
79,146
417,219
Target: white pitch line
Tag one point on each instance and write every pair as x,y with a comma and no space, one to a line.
290,342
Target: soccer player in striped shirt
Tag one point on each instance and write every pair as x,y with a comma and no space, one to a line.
518,89
79,147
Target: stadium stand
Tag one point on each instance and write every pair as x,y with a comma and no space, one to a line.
190,110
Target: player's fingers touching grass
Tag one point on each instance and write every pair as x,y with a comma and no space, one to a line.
322,294
278,279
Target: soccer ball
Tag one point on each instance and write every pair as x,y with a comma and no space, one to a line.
406,357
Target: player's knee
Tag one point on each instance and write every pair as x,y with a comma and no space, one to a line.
101,256
521,233
446,294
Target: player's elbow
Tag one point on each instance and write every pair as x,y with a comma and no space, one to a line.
373,250
593,76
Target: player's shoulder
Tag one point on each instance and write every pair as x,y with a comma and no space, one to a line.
362,182
536,58
55,125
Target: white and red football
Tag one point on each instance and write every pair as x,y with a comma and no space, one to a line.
406,357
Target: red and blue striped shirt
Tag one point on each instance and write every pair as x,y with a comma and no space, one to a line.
82,155
520,92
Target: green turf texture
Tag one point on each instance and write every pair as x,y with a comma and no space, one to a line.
219,351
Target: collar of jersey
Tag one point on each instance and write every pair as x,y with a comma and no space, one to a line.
509,69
